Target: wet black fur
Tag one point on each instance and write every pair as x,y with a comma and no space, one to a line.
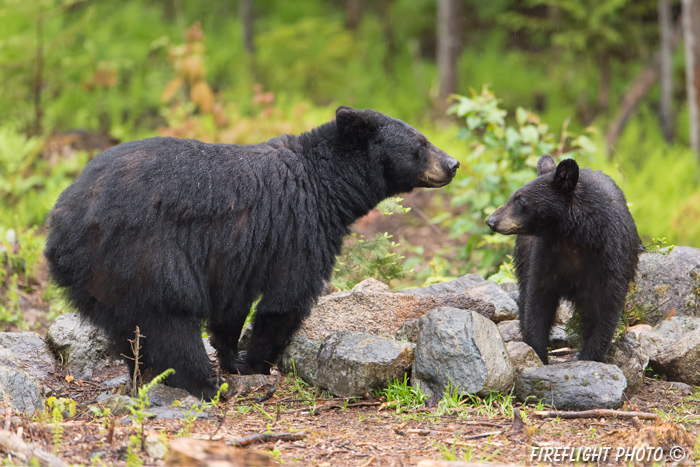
166,233
576,240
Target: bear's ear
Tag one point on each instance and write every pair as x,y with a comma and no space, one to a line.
545,165
352,124
566,176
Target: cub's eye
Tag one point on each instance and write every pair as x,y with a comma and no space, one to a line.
519,202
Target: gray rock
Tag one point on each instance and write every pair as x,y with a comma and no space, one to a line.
673,347
350,363
246,384
626,353
300,358
667,285
246,335
558,338
20,391
163,396
155,446
564,312
81,347
383,313
408,332
31,353
510,330
208,348
371,285
461,348
474,286
178,413
522,355
578,385
122,383
511,288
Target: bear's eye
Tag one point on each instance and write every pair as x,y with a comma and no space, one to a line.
519,202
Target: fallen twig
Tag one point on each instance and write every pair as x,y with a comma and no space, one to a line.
268,395
481,435
267,438
326,407
596,413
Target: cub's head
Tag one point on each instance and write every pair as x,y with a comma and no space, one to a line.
406,157
541,204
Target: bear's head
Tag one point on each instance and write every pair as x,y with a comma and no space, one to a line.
541,205
404,156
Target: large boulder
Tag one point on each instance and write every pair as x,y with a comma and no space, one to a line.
30,353
627,354
20,391
478,288
667,284
673,347
351,363
463,349
82,347
579,385
348,363
376,311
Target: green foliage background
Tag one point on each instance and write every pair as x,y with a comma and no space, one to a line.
103,68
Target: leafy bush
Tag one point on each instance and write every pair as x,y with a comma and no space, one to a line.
502,157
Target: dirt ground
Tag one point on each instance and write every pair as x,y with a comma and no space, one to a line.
368,433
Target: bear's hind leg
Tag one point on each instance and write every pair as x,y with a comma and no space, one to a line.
224,338
176,342
272,330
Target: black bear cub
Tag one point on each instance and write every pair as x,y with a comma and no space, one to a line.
165,233
576,239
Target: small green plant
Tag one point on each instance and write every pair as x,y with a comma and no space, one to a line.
53,413
506,272
495,404
194,411
451,401
362,258
659,245
139,415
401,396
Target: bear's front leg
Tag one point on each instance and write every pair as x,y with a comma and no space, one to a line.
537,315
602,313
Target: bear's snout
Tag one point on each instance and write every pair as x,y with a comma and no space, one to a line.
491,222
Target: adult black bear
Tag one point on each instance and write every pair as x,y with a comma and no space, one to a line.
165,233
577,240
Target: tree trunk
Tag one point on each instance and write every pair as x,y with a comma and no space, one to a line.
666,24
388,29
354,13
447,46
39,73
637,91
691,31
604,85
246,12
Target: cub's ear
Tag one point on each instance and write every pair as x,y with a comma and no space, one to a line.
545,165
353,124
566,176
